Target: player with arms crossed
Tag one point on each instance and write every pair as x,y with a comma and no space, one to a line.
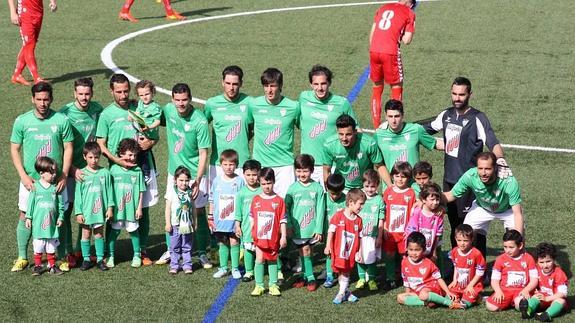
393,23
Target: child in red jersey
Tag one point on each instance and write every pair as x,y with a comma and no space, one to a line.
343,241
514,275
399,200
421,277
469,267
269,231
551,293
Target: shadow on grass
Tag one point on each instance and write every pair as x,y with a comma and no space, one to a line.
194,13
79,74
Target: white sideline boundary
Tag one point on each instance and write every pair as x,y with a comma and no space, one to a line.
106,53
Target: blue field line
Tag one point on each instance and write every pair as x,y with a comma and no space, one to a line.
354,92
220,302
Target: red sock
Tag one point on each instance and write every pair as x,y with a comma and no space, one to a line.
376,93
127,5
397,93
20,61
37,259
168,7
51,260
30,58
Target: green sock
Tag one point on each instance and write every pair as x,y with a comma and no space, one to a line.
328,269
235,255
413,301
390,267
112,235
361,269
467,304
78,246
85,244
135,237
144,228
308,268
224,252
372,271
259,274
554,309
273,272
279,262
249,258
437,299
167,241
533,304
99,246
23,238
203,233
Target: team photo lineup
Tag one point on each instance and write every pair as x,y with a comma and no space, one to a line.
277,193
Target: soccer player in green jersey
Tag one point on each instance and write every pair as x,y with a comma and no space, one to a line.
352,153
319,108
274,118
36,133
94,204
334,201
399,140
44,215
244,223
305,207
495,197
232,125
83,114
188,142
114,126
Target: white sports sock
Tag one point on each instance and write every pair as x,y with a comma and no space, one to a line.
343,283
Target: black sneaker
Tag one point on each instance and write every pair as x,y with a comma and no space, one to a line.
85,265
543,317
37,270
248,277
524,309
55,271
389,285
102,266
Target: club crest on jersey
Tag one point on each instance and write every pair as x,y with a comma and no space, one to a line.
133,179
187,127
242,108
524,264
330,107
355,227
469,262
407,136
406,198
373,208
422,271
359,155
234,132
273,135
283,112
102,180
275,205
54,128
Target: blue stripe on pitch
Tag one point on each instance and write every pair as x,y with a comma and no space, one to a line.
352,95
220,302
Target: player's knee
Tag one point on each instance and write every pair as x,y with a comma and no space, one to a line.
306,250
401,298
490,307
423,295
560,301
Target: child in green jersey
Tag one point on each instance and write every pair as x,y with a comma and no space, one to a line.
422,173
334,201
305,205
94,202
151,112
45,213
372,215
128,190
243,221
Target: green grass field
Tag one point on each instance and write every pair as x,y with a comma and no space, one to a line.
517,53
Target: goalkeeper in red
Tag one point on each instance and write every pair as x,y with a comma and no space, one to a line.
393,23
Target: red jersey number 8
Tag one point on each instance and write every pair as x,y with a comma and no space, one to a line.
385,21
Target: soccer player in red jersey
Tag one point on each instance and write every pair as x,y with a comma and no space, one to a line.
28,15
393,23
171,14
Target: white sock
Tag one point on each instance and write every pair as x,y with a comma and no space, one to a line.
343,283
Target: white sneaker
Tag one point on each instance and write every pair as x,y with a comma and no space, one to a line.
205,262
236,274
164,259
220,273
297,268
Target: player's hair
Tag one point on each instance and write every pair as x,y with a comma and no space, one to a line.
45,164
182,170
230,155
487,155
430,189
417,238
120,79
371,176
42,87
402,168
394,105
460,80
92,147
423,167
233,70
128,144
268,174
354,195
304,161
252,164
335,183
182,88
513,235
465,230
344,121
272,75
146,84
84,81
545,249
320,70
